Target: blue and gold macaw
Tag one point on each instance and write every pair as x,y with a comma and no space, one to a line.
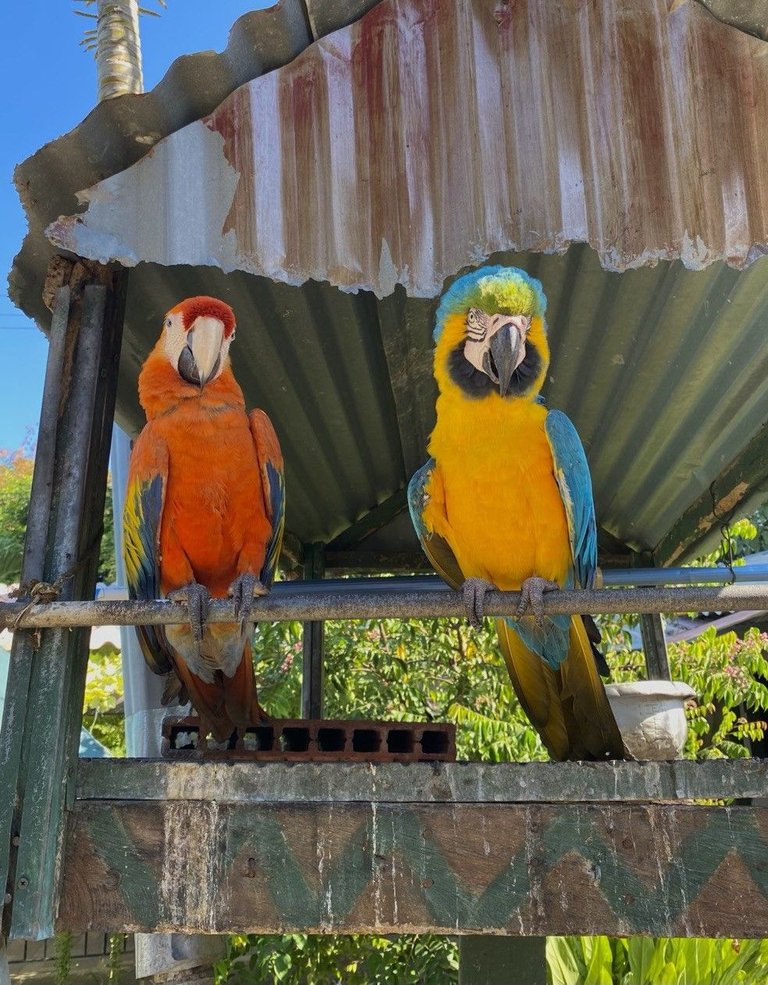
506,500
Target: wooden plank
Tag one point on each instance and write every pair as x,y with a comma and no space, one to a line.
502,960
57,679
524,870
243,783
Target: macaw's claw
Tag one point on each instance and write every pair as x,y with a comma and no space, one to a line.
243,590
474,591
198,601
532,597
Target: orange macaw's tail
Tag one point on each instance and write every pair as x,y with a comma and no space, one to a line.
226,703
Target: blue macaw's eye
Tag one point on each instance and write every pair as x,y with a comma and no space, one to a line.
475,325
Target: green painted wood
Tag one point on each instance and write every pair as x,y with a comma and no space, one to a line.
58,668
523,870
244,782
33,569
504,960
5,975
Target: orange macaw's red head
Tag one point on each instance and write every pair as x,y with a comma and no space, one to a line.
191,355
198,333
204,306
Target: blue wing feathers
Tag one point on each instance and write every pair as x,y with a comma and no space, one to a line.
416,494
575,483
143,515
276,499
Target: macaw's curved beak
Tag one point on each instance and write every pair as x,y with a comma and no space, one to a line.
201,356
505,353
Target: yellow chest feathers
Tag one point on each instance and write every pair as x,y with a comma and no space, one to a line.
493,495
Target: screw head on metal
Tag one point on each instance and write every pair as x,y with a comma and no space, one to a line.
23,882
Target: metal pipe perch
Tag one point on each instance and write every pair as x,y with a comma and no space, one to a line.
316,601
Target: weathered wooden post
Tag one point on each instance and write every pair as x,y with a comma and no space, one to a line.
41,726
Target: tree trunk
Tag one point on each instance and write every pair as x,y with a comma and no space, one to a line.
118,51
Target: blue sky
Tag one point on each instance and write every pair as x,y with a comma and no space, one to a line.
49,86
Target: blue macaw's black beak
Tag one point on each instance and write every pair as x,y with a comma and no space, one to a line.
505,353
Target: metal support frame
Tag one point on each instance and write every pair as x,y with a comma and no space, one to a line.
652,628
655,647
39,740
313,643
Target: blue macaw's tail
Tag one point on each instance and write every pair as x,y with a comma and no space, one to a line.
565,700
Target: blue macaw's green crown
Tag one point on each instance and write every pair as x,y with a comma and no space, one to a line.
495,290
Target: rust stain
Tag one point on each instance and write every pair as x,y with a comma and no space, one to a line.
429,135
723,507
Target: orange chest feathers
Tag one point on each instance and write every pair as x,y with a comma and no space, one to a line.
213,497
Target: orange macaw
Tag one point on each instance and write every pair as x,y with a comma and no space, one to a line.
506,501
204,512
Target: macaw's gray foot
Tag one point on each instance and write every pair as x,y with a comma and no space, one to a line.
532,597
242,590
474,591
198,601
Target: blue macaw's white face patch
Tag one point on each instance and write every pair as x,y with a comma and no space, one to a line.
496,344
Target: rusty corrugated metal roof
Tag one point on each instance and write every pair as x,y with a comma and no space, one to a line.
339,166
403,147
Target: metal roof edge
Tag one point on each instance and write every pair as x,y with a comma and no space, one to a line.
118,132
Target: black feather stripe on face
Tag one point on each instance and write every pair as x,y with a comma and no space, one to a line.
475,383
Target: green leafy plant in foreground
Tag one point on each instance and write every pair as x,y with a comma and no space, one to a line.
656,961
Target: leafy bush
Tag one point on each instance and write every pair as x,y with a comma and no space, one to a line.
15,486
656,961
351,959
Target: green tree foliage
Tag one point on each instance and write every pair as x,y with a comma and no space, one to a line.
298,959
15,486
103,705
